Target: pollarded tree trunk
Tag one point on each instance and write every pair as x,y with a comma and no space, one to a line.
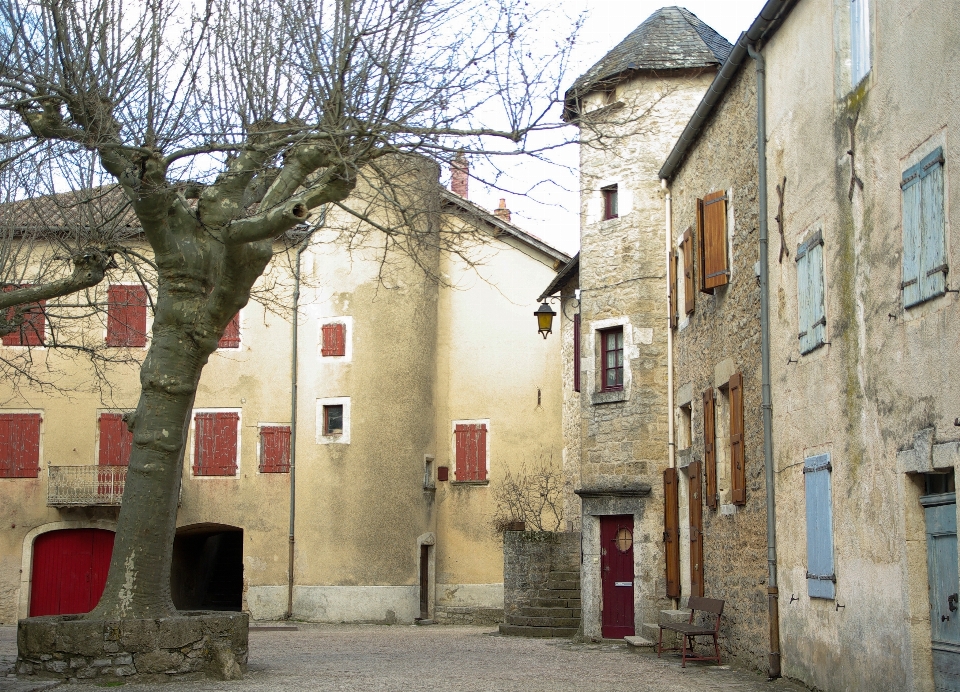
188,323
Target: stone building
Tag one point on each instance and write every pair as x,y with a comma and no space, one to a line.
630,108
419,385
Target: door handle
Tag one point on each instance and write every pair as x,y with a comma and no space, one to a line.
952,602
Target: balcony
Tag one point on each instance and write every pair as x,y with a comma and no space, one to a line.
85,486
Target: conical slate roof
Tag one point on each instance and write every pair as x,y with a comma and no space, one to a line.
671,38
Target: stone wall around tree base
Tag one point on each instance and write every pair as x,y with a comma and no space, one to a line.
185,645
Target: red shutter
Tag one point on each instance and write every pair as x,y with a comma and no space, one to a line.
710,447
696,530
127,316
334,337
32,332
576,352
712,227
738,476
116,440
19,445
686,244
671,531
471,451
231,334
275,449
215,444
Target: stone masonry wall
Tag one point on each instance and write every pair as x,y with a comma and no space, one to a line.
722,337
528,559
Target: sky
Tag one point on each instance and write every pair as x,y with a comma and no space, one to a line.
548,209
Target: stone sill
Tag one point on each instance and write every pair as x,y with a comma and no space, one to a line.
609,397
469,482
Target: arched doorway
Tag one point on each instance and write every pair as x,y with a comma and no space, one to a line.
69,570
207,568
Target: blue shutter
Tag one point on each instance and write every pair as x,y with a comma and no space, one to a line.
821,580
803,298
859,40
810,295
910,285
933,262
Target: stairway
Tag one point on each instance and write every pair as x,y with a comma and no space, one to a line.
553,612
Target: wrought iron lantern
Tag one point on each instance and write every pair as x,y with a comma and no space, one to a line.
544,317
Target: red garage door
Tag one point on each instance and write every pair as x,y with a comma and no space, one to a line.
69,571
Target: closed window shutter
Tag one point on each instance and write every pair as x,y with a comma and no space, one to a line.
910,285
471,451
696,530
811,310
818,315
710,447
231,334
215,444
821,580
576,352
275,449
20,445
334,340
671,531
859,40
738,475
713,241
32,330
672,288
116,441
933,263
202,443
126,316
686,246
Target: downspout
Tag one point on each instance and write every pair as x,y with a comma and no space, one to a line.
671,441
772,590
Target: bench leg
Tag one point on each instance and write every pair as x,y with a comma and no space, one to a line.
660,644
716,648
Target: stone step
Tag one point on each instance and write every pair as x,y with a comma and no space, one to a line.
651,631
527,631
565,576
555,603
534,612
563,584
523,621
674,615
639,642
560,593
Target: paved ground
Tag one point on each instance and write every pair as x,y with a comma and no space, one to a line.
452,659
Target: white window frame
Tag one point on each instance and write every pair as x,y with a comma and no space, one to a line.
344,437
193,433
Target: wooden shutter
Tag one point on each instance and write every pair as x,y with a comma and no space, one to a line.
20,445
671,531
672,288
471,451
811,311
686,246
231,334
126,316
859,41
821,580
275,449
910,186
696,530
334,339
738,475
712,240
215,444
576,352
32,331
116,441
933,263
710,447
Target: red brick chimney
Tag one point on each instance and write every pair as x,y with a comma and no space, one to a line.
502,212
459,175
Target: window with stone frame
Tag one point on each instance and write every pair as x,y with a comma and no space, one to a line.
611,363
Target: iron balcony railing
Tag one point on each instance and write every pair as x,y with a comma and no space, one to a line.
71,486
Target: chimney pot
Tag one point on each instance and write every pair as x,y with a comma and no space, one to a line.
502,212
460,175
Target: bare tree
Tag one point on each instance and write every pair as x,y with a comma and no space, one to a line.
226,123
532,495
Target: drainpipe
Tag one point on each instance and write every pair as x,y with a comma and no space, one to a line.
772,590
293,408
671,441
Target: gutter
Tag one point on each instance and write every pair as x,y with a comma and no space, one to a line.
762,28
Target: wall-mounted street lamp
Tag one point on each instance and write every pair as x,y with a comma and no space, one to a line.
544,317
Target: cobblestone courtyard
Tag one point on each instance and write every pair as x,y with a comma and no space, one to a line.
382,658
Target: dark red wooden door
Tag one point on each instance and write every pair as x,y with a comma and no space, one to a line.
616,577
69,571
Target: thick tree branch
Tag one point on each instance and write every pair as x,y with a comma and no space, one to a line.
89,269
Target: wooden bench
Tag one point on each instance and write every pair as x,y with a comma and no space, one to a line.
689,631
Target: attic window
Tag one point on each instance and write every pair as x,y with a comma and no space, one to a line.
609,202
609,96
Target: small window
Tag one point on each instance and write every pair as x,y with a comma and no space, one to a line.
611,345
334,337
712,239
610,202
116,441
810,295
215,443
231,334
274,449
333,419
127,316
471,451
20,445
428,482
859,40
685,427
31,330
924,248
821,580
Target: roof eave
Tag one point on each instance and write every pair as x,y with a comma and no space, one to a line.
562,277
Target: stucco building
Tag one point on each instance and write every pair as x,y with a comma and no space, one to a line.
419,383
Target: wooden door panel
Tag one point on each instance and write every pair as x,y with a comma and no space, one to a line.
616,577
696,530
944,584
69,571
